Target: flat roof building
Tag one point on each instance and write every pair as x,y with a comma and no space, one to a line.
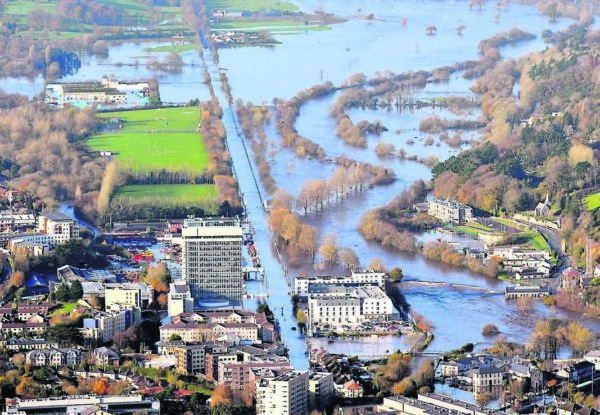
212,259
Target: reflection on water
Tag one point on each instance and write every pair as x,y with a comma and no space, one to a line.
127,62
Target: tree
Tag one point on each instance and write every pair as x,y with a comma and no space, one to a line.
17,279
222,395
490,330
301,317
396,274
329,250
62,292
174,337
376,264
349,259
65,333
76,290
484,399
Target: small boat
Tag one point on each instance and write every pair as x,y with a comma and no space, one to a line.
330,341
294,328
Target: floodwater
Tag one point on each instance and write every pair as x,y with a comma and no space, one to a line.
395,40
309,58
127,61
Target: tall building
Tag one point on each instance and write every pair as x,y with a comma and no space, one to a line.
285,394
212,258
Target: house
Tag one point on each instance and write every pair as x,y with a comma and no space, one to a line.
351,389
53,357
485,377
577,372
106,357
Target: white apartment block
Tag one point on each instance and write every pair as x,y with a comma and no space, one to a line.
212,258
103,326
285,394
180,298
128,294
348,305
57,226
321,390
449,211
302,284
517,252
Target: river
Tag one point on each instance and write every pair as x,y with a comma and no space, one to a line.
259,74
309,58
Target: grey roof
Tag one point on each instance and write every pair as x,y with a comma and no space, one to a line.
56,216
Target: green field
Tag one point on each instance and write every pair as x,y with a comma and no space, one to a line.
155,140
65,309
18,11
536,240
168,195
592,201
184,47
276,26
251,5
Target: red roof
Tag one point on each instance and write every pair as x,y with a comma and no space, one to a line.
180,393
352,386
153,391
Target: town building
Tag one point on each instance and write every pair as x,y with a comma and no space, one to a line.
486,377
577,372
433,403
321,390
340,304
10,222
302,283
450,211
53,357
125,294
57,226
191,359
286,394
106,357
108,92
180,298
212,260
102,326
75,404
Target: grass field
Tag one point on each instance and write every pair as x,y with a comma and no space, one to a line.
251,5
275,26
536,241
465,230
184,47
592,201
156,139
18,11
168,195
65,309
